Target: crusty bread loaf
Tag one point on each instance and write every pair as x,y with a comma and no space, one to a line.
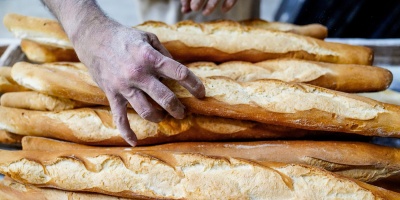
32,100
218,41
44,31
367,162
387,96
313,30
95,126
267,101
7,84
64,80
12,190
42,53
172,175
225,41
341,77
10,138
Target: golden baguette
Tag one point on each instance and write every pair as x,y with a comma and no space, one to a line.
32,100
312,30
12,190
214,41
267,101
368,162
340,77
7,84
42,53
173,175
10,138
226,40
95,126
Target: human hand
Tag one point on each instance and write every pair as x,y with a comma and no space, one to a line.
207,5
127,64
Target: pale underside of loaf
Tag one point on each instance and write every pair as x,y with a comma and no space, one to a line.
180,175
368,162
32,100
218,41
95,126
267,101
12,190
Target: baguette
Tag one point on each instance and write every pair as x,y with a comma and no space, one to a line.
7,84
32,100
10,138
226,41
214,41
95,126
41,30
172,175
312,30
275,102
368,162
341,77
12,190
42,53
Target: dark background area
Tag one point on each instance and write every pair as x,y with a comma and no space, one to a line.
346,18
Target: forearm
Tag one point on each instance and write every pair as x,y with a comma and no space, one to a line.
77,16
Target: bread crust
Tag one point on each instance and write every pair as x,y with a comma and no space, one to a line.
173,175
219,42
42,53
10,138
213,41
368,162
312,30
341,77
32,100
7,84
275,102
12,190
95,126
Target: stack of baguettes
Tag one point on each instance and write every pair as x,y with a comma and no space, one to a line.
270,83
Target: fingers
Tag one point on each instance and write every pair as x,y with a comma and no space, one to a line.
175,70
227,5
210,7
185,6
142,106
119,111
196,5
164,97
155,43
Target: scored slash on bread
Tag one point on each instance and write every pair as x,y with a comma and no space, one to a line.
276,102
369,162
213,41
174,175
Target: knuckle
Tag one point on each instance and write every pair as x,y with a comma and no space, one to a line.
167,101
182,72
146,114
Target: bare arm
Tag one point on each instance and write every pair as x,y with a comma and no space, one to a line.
126,63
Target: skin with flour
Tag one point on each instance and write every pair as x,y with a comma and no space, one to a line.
127,63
